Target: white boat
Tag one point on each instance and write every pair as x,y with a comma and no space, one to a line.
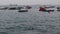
50,8
23,10
3,8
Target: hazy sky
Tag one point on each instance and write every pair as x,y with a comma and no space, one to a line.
30,2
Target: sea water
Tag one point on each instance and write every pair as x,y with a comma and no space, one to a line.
31,22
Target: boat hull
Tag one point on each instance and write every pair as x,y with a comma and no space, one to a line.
23,11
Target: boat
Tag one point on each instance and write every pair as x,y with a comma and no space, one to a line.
42,9
3,8
58,9
28,7
20,8
47,9
12,8
23,10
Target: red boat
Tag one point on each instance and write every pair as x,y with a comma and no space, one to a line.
46,9
42,9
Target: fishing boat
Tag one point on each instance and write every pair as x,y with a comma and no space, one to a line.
47,9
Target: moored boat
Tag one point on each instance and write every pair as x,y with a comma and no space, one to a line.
28,7
3,8
47,9
23,10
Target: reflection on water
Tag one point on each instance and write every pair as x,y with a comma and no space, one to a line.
32,22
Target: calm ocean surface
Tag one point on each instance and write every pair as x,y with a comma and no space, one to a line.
31,22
